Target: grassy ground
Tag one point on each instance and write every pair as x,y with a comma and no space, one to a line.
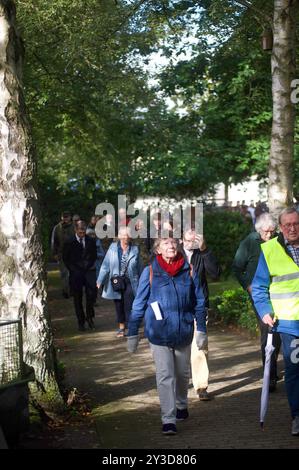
216,288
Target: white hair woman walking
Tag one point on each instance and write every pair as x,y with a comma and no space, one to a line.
169,297
244,267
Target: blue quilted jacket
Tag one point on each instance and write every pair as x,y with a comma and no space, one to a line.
180,300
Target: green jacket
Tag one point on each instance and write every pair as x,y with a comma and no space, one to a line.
60,234
246,259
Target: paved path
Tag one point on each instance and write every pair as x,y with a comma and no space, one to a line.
125,403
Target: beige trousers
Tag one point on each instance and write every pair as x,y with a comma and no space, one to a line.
199,366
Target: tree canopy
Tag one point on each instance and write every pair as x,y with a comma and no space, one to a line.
101,127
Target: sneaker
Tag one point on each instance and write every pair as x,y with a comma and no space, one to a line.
272,385
203,395
295,426
169,428
120,333
182,414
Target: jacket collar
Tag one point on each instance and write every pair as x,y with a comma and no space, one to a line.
157,267
281,241
133,250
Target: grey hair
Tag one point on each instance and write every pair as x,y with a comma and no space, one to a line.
124,228
159,240
287,210
263,220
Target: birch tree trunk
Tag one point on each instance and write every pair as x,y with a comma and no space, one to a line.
22,274
283,64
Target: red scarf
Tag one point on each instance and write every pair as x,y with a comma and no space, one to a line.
174,266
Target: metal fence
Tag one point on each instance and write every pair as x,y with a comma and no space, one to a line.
11,351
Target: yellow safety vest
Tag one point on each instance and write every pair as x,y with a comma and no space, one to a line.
284,286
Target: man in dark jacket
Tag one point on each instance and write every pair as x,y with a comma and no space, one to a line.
79,255
203,261
244,267
61,232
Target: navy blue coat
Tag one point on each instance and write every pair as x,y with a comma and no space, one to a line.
180,300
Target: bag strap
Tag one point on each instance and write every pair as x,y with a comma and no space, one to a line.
151,273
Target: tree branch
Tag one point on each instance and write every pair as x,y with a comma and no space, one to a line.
260,13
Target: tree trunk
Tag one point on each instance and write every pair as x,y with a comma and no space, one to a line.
283,64
22,275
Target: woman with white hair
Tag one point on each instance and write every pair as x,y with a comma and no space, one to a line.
119,276
244,267
169,298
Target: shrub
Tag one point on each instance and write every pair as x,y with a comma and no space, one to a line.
234,307
223,232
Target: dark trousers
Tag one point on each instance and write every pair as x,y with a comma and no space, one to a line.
276,341
90,294
290,355
123,306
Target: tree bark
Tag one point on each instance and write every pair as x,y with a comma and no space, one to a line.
22,274
283,64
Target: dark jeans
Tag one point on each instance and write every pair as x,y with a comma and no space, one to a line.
276,341
123,306
290,345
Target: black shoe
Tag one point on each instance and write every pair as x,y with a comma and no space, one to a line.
169,429
81,328
91,323
181,415
295,426
272,385
65,295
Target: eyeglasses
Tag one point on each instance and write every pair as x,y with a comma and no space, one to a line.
289,226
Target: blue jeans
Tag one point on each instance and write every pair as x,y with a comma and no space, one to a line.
290,344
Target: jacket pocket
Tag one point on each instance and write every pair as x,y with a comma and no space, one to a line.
187,328
188,317
156,329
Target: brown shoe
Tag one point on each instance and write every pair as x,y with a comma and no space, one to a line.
203,395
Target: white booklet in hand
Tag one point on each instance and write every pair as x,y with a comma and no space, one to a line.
157,311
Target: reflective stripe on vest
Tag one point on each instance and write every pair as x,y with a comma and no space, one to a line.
284,286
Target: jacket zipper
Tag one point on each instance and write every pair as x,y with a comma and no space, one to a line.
178,309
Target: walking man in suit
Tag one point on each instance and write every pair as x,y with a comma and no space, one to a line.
79,256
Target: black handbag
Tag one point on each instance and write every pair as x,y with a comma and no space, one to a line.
118,283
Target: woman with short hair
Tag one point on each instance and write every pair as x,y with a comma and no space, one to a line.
169,297
123,261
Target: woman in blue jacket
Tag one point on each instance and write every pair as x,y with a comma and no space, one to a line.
122,258
169,296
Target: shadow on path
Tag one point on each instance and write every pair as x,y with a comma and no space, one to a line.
125,406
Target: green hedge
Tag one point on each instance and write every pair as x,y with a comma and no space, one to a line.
223,231
234,307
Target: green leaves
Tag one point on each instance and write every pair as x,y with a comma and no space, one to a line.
94,113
